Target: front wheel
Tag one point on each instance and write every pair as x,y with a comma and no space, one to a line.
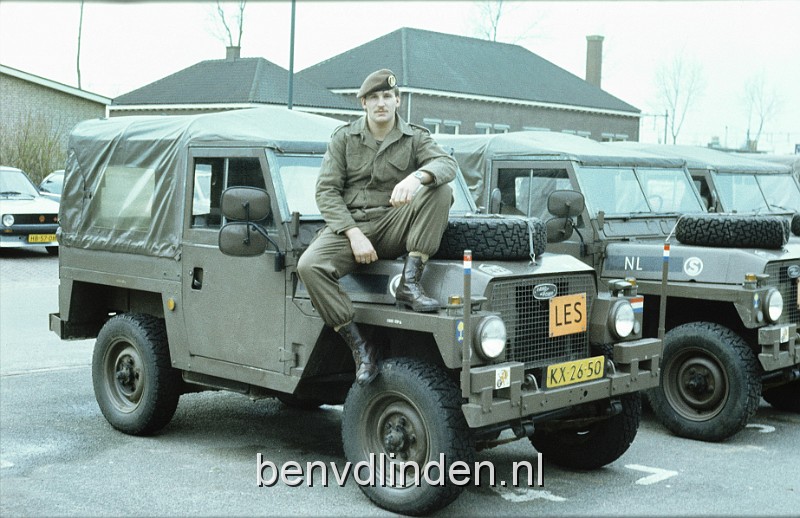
134,384
709,382
593,445
410,413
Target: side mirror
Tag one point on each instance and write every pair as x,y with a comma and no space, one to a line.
565,203
240,240
245,203
559,229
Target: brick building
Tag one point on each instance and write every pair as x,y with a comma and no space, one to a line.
28,97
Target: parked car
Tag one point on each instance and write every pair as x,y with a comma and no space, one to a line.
27,219
52,185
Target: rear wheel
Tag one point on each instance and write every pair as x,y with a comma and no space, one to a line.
134,384
592,445
410,413
709,382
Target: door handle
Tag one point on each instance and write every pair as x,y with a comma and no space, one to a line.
197,278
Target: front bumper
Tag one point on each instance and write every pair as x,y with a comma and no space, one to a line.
635,367
780,346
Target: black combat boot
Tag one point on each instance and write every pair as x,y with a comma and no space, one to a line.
365,354
409,291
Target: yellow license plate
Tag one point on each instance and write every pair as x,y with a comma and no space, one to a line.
567,314
41,238
578,371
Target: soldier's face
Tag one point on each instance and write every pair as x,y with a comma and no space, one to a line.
381,106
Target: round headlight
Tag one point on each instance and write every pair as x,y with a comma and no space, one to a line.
622,319
773,305
490,337
8,219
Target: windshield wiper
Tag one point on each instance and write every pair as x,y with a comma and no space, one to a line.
10,193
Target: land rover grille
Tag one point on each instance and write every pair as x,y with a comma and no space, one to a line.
527,319
779,278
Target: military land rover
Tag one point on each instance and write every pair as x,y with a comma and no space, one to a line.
180,238
732,300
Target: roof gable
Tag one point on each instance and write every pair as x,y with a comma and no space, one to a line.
241,80
458,64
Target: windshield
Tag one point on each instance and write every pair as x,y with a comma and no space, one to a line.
781,191
669,190
16,183
298,174
611,190
625,190
739,192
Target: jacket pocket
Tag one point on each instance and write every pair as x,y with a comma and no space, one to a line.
399,157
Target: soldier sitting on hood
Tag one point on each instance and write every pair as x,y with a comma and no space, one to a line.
383,192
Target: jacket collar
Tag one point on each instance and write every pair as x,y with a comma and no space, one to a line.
359,127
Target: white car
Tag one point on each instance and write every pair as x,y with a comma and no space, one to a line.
52,185
27,219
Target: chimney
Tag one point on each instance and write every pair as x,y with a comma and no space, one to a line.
594,59
232,53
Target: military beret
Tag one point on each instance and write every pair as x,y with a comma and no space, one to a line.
383,79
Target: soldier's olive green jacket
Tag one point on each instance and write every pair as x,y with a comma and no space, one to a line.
357,174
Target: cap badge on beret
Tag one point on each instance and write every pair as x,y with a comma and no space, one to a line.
391,81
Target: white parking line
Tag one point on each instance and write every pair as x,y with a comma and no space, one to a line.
527,495
762,428
658,474
46,369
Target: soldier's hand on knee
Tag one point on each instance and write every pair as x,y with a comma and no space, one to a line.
363,251
404,191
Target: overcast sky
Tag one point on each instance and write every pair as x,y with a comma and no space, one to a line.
128,45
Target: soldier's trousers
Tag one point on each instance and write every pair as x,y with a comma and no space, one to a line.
415,227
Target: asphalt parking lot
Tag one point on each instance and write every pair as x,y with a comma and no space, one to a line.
59,457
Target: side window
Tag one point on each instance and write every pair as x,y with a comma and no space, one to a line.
525,191
214,175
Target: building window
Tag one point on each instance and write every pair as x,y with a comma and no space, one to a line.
569,132
613,137
483,128
585,134
534,128
432,124
451,127
501,128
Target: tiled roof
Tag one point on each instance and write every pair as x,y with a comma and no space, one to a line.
456,64
241,80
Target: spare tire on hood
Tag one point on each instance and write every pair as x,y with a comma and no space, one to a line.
796,225
492,237
733,231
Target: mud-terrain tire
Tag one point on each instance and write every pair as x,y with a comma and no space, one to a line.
594,445
710,384
492,237
733,231
796,224
412,410
134,383
292,401
784,397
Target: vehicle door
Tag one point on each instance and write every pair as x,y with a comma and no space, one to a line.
234,306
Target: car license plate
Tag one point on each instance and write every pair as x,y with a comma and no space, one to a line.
578,371
567,314
41,238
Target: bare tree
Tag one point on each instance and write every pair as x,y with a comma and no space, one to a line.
489,15
238,19
80,33
762,103
679,82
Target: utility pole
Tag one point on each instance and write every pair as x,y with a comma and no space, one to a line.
291,61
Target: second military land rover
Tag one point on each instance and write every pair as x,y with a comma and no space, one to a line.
180,238
732,311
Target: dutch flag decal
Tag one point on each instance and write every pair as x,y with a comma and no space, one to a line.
638,304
